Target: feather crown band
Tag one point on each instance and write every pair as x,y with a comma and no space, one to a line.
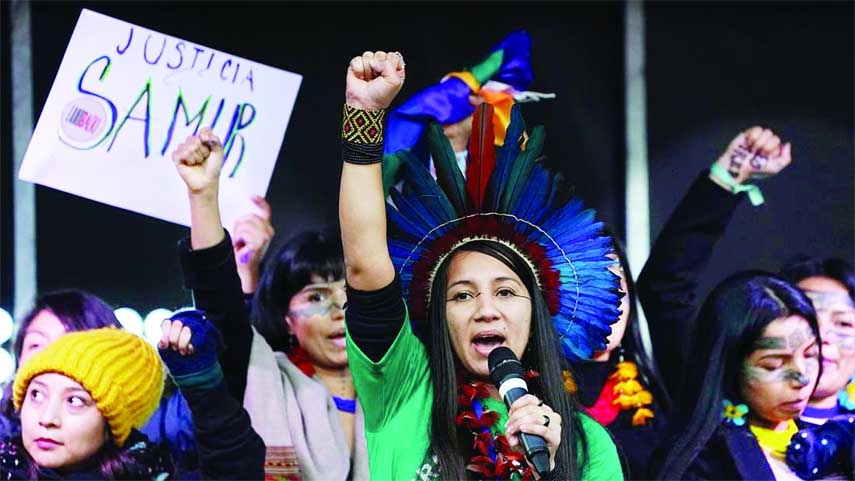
507,196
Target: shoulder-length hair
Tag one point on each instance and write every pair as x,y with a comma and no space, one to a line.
731,319
286,272
542,354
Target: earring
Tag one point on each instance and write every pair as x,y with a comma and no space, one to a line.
733,414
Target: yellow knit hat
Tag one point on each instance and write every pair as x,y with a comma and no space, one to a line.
121,371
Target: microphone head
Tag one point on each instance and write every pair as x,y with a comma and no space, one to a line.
503,363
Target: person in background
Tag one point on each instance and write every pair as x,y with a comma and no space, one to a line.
58,312
667,285
622,387
299,394
830,285
754,362
228,446
52,315
81,401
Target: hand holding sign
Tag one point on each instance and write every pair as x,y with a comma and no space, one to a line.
123,97
199,160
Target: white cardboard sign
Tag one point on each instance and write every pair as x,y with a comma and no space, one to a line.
125,97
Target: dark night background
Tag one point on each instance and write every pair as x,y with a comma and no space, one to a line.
713,69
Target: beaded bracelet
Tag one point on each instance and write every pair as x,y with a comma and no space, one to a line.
362,135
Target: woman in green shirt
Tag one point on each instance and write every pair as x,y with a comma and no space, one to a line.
469,267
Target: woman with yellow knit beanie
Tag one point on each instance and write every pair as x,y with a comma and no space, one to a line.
81,400
83,397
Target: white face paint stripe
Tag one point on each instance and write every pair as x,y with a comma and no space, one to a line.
511,384
830,300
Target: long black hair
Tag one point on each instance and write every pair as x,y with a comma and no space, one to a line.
542,354
632,345
731,319
289,269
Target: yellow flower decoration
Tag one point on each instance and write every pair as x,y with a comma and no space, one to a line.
641,416
626,370
734,413
630,393
569,383
630,386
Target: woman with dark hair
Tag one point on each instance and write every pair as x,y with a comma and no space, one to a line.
754,363
308,258
81,400
620,385
53,314
288,366
830,285
59,312
500,261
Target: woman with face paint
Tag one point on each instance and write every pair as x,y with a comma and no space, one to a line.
754,364
288,365
830,285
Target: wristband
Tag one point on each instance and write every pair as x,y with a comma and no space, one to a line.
362,126
362,135
754,194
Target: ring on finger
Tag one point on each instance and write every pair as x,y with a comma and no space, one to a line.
759,161
545,420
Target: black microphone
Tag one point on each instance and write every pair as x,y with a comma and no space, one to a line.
506,371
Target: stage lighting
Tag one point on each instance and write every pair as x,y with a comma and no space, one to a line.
7,326
130,320
153,320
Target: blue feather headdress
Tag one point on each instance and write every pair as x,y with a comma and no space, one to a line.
507,196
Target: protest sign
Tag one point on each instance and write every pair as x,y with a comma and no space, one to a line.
125,96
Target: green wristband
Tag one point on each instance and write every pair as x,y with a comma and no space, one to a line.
754,194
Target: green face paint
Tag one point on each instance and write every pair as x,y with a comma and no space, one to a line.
836,312
794,340
789,344
318,300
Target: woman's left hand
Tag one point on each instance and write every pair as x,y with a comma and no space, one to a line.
529,414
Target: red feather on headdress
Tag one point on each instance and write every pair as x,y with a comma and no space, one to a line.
482,155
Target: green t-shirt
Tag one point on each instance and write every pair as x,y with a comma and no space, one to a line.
397,397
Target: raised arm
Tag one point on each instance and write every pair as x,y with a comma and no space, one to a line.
199,160
667,285
208,261
228,446
373,80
